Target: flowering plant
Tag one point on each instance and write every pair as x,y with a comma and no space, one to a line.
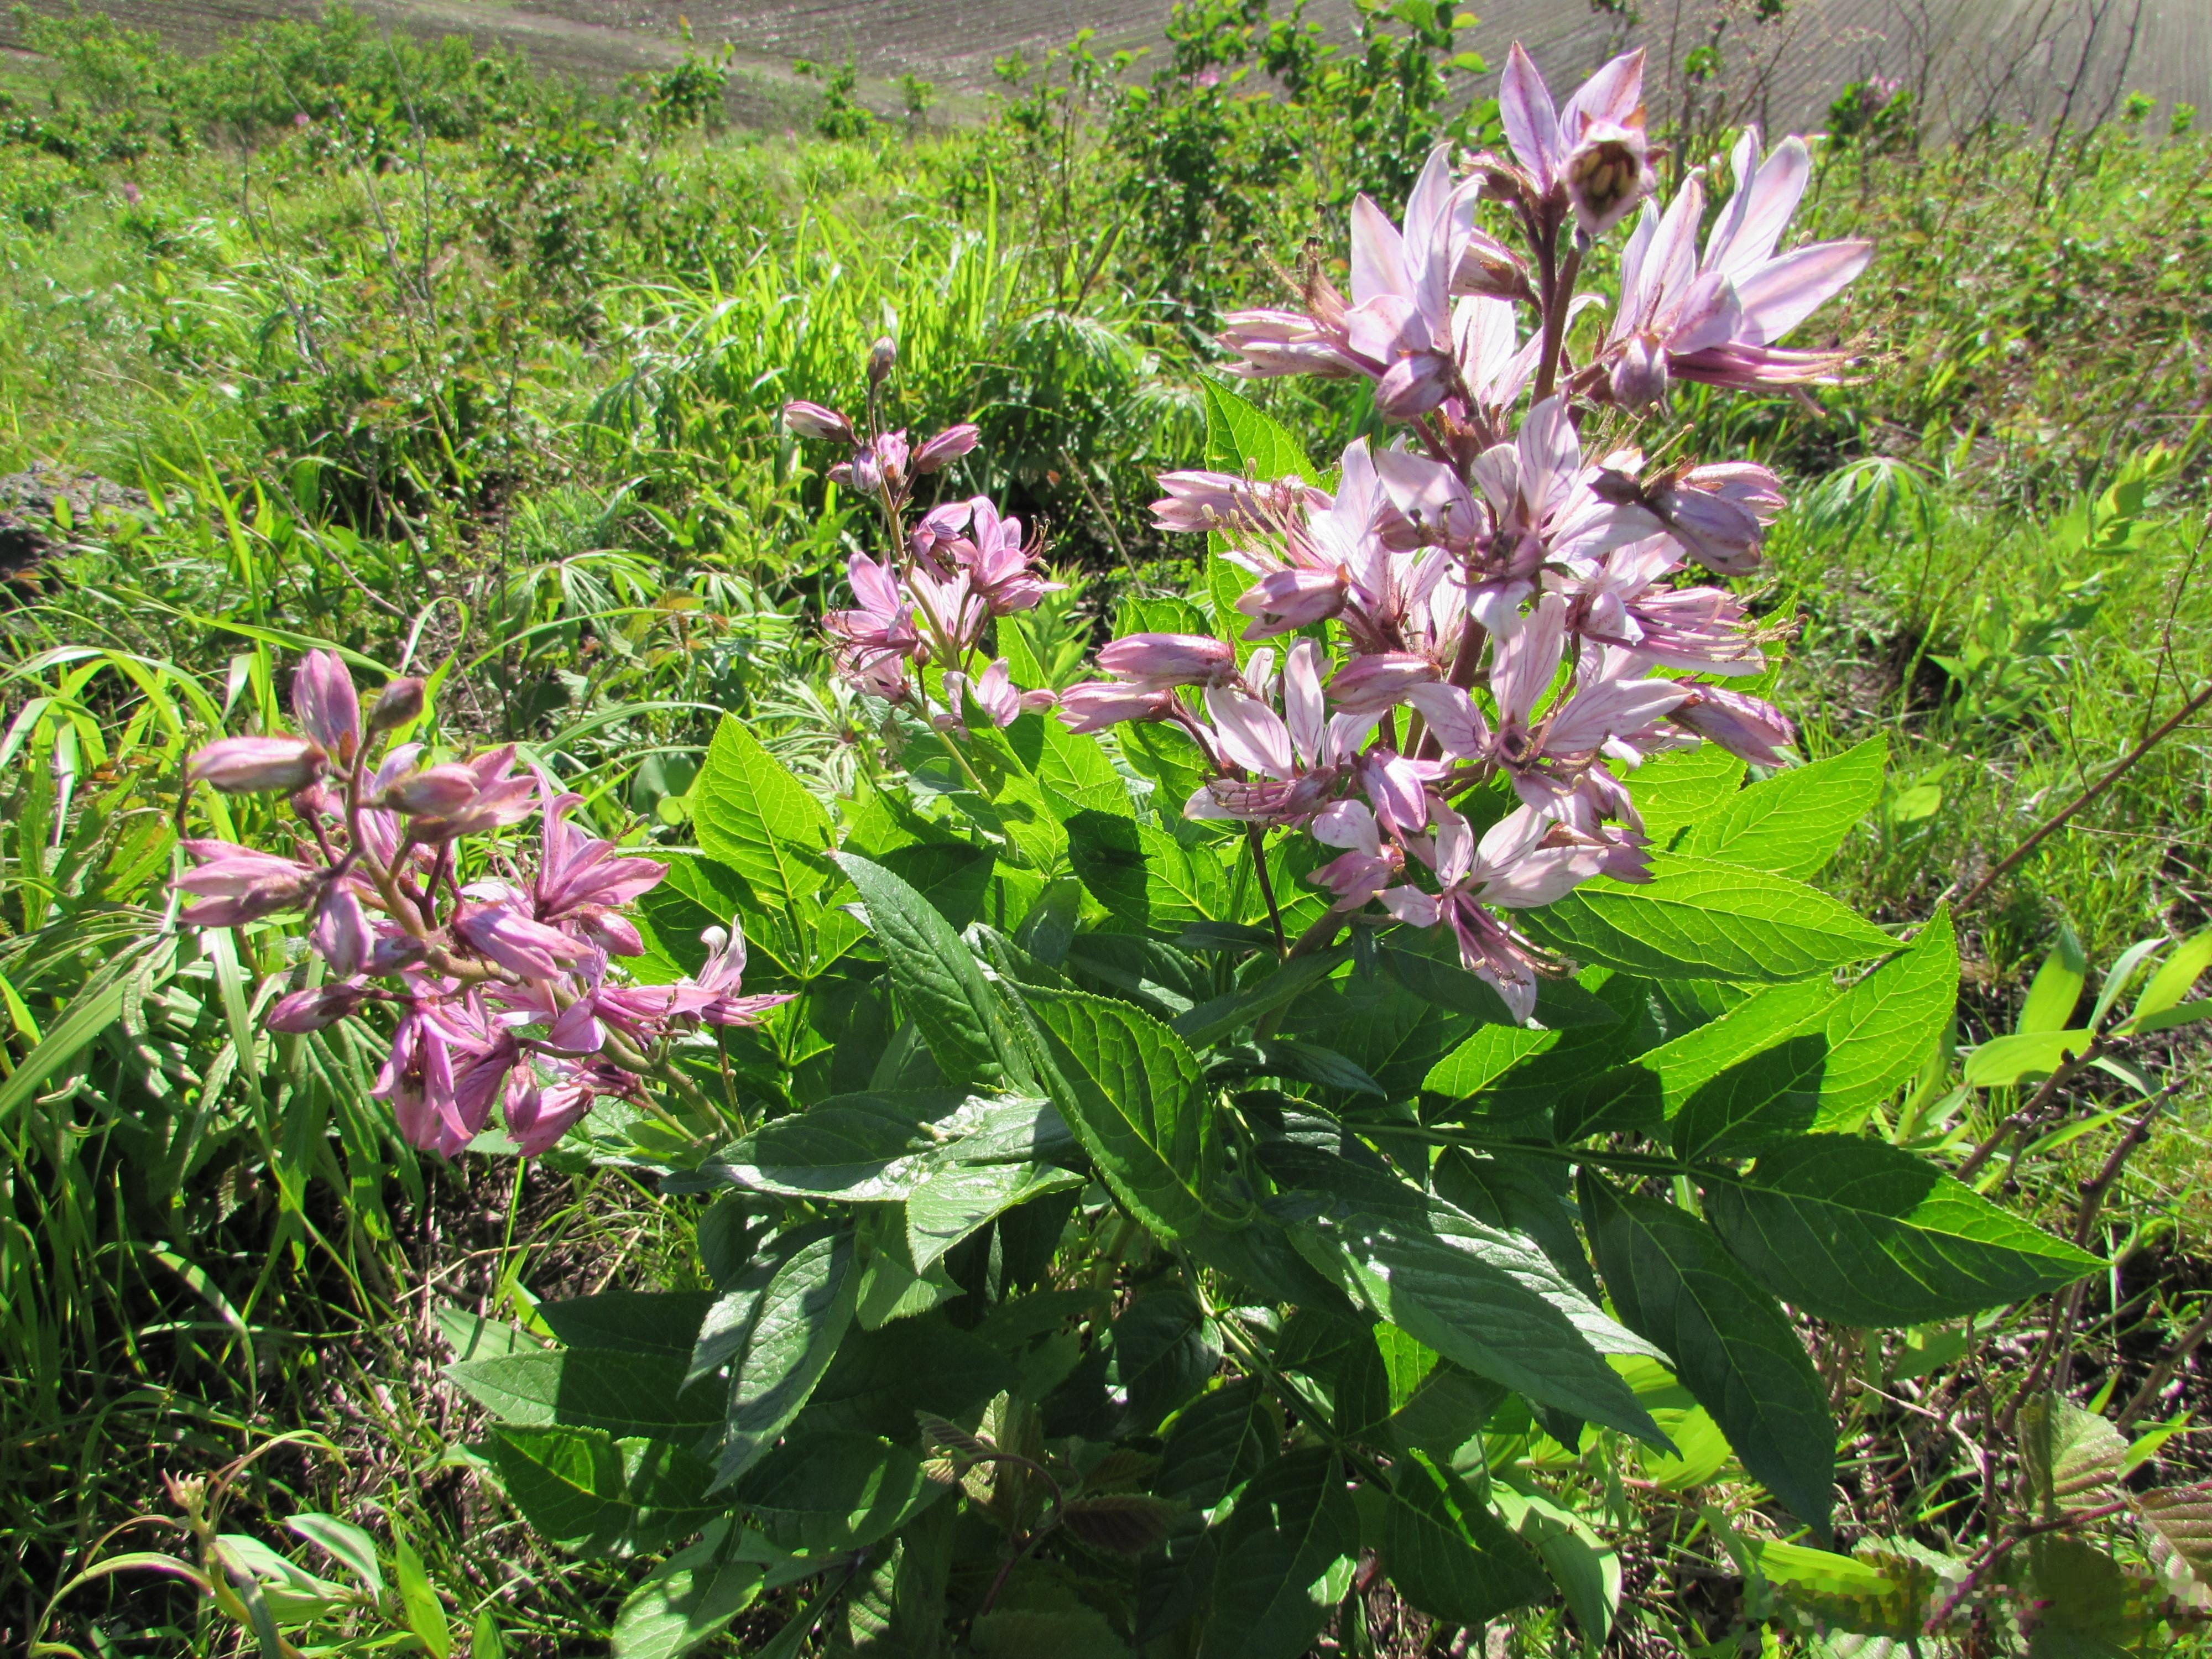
1099,1250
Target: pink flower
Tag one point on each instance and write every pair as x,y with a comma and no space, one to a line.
1293,762
874,639
947,447
1616,600
1747,727
325,705
1156,661
1368,865
996,695
313,1009
538,1115
341,934
501,934
1368,684
813,421
1221,501
257,765
1000,566
1095,705
241,885
1593,149
499,797
1522,860
582,879
417,1080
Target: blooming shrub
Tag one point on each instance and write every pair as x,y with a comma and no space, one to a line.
1131,1220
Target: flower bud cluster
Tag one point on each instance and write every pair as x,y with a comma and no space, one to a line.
951,570
505,988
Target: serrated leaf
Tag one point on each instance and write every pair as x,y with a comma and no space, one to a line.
1393,1034
860,1148
881,1380
1772,1097
2072,1457
1792,824
1146,879
754,815
1446,1554
1248,442
1857,1230
2182,1518
790,1332
1284,1560
1120,1523
585,1492
1732,1347
955,1199
1135,1097
1698,920
1677,792
1076,774
684,1606
1882,1029
939,983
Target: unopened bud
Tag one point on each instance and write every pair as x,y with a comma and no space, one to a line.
813,421
399,702
1639,378
255,766
437,790
883,357
947,446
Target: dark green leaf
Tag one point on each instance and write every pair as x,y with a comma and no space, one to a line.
790,1332
586,1493
957,1198
1224,1016
951,875
1698,920
860,1148
1731,1345
1863,1232
940,984
881,1378
636,1322
837,1490
625,1394
1284,1560
1119,1523
1772,1097
1793,822
1145,878
1519,1194
1392,1034
1165,1350
755,817
1448,1555
1218,1441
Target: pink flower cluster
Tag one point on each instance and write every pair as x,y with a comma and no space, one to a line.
503,986
950,571
1478,602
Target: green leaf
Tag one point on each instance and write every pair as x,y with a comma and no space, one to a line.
837,1490
418,1601
1731,1346
1882,1029
1697,920
1793,822
689,1599
1145,878
861,1148
783,1337
1074,771
1218,1442
1773,1096
1165,1349
881,1378
939,983
755,817
343,1542
1248,442
634,1322
1284,1561
624,1393
1881,1593
957,1198
2058,988
1209,1022
2175,977
951,875
1393,1034
1164,752
2072,1458
1518,1195
1448,1555
1485,1299
1587,1571
586,1493
1677,790
2181,1517
2006,1059
1857,1230
1135,1095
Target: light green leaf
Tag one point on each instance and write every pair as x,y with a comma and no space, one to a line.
2186,1013
2175,977
343,1542
1073,770
1732,1347
2006,1059
1698,920
2072,1457
1248,442
1586,1570
939,983
1773,1096
2058,988
1855,1230
689,1600
755,817
1677,792
1448,1555
1135,1095
1882,1029
1285,1559
789,1334
1881,1593
1792,824
418,1601
624,1393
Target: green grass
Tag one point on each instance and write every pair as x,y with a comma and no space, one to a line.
503,401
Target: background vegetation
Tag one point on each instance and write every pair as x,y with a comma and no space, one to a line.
457,367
